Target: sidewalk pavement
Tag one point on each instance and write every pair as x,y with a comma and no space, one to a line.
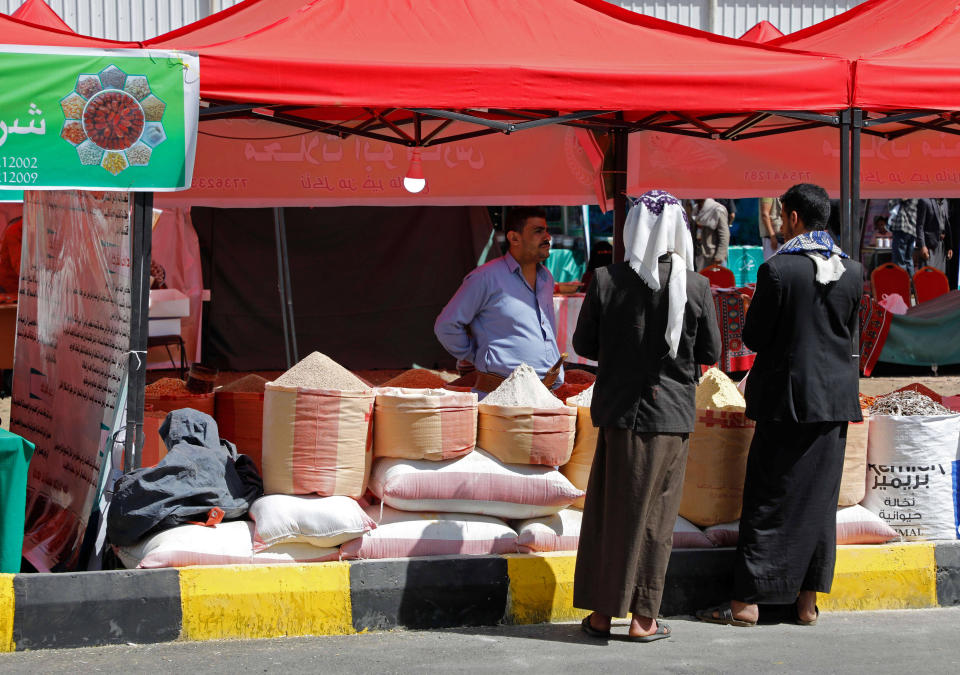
85,609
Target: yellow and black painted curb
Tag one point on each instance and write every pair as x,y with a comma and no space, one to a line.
242,602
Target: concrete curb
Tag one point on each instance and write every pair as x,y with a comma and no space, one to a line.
242,602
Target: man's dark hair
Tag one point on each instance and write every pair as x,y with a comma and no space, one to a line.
519,215
811,203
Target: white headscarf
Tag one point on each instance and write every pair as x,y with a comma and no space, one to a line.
657,225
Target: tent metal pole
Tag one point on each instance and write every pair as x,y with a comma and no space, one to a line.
845,229
141,243
855,225
281,287
620,145
286,277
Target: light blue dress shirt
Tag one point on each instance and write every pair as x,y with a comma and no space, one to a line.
510,323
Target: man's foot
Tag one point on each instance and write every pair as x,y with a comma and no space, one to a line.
807,611
643,626
596,625
733,613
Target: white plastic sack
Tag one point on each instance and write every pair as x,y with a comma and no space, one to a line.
318,521
688,535
912,474
405,534
559,532
226,544
856,525
475,483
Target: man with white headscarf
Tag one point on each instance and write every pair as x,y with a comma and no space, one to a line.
803,389
648,321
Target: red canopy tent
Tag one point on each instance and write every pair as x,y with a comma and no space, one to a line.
762,32
39,12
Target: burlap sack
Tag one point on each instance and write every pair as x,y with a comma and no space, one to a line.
415,424
519,435
853,484
716,466
239,416
577,470
316,441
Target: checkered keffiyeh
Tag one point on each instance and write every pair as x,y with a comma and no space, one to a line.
819,246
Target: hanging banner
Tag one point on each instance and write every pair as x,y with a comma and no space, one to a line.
921,164
257,163
11,196
73,336
97,119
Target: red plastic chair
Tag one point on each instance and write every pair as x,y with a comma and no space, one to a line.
890,278
930,283
719,276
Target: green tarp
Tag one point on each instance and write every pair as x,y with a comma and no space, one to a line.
927,334
15,454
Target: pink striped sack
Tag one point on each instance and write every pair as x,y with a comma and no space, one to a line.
688,535
519,435
316,441
559,532
577,469
474,483
405,534
226,544
434,424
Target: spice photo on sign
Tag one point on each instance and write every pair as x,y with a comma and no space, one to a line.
114,119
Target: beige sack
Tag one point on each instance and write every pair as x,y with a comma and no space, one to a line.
433,424
577,470
853,486
716,466
520,435
316,441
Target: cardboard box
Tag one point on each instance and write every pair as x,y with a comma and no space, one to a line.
167,303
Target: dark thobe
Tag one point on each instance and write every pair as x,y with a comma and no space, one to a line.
933,228
802,391
644,404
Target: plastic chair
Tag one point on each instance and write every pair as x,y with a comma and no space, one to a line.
890,278
719,276
930,283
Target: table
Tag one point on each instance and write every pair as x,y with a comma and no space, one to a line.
567,310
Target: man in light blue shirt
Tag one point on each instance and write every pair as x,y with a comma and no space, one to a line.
502,315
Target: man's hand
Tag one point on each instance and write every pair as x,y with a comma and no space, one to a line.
950,254
925,253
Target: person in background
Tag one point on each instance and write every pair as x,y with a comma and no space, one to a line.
731,206
601,256
713,233
648,321
770,223
502,314
802,391
10,249
953,262
904,233
934,236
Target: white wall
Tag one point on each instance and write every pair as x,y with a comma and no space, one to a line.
141,19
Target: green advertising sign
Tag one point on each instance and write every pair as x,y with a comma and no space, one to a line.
120,119
11,195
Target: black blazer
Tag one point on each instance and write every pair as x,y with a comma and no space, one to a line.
622,324
806,336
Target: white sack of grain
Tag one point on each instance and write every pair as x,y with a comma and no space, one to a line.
476,483
559,532
405,534
911,480
856,525
317,432
688,535
226,544
584,445
318,521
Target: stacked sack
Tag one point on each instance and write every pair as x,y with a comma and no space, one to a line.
239,414
912,462
437,506
577,469
717,460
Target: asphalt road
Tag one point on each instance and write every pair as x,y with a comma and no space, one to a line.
906,642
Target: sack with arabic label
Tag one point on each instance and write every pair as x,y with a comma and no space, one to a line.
911,481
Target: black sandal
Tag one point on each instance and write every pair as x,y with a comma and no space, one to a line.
593,632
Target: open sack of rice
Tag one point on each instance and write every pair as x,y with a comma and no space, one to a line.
169,393
521,422
717,462
475,483
317,430
912,463
433,424
577,469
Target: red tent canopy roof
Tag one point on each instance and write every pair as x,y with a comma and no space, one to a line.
556,54
39,12
14,31
762,32
871,27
